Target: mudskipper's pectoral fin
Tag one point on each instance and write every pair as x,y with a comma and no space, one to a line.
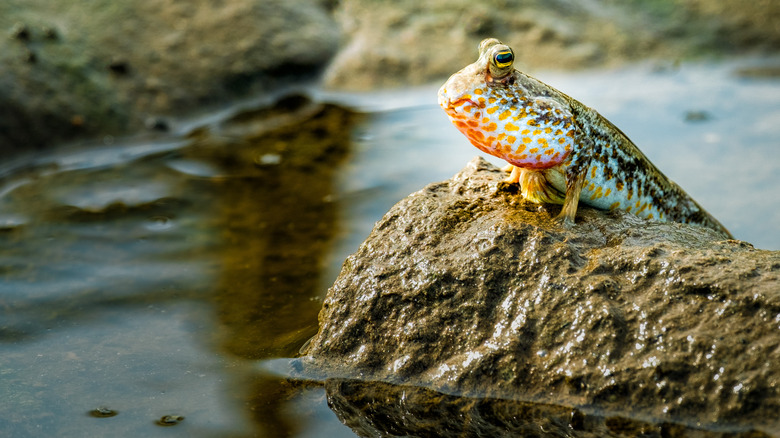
573,190
577,170
535,187
514,176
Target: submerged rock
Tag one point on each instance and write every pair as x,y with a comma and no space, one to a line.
464,289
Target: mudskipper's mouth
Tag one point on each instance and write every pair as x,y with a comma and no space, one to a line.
453,105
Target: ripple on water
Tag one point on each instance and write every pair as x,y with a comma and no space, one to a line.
159,223
196,168
9,222
99,195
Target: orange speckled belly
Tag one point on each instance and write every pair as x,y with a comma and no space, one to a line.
531,134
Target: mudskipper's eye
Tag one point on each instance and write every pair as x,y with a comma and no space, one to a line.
504,58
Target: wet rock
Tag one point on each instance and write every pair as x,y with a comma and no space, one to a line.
114,65
169,420
103,412
465,289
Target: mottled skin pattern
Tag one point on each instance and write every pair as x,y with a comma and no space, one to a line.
559,150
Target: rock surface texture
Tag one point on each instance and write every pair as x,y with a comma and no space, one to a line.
463,289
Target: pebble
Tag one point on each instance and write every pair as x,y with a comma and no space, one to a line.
170,420
103,412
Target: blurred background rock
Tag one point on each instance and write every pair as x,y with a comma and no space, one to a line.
416,42
72,69
80,69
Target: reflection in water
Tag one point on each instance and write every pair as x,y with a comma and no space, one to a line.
381,409
277,230
276,222
139,280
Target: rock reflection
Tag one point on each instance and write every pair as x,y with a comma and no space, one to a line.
381,409
268,397
279,221
123,270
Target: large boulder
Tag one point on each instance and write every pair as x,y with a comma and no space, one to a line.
73,69
465,289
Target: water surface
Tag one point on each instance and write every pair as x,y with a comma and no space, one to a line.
149,276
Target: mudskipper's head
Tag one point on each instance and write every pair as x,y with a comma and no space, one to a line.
494,66
507,114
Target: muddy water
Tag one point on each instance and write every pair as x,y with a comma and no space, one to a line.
145,278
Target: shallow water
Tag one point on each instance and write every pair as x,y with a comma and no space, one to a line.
148,277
